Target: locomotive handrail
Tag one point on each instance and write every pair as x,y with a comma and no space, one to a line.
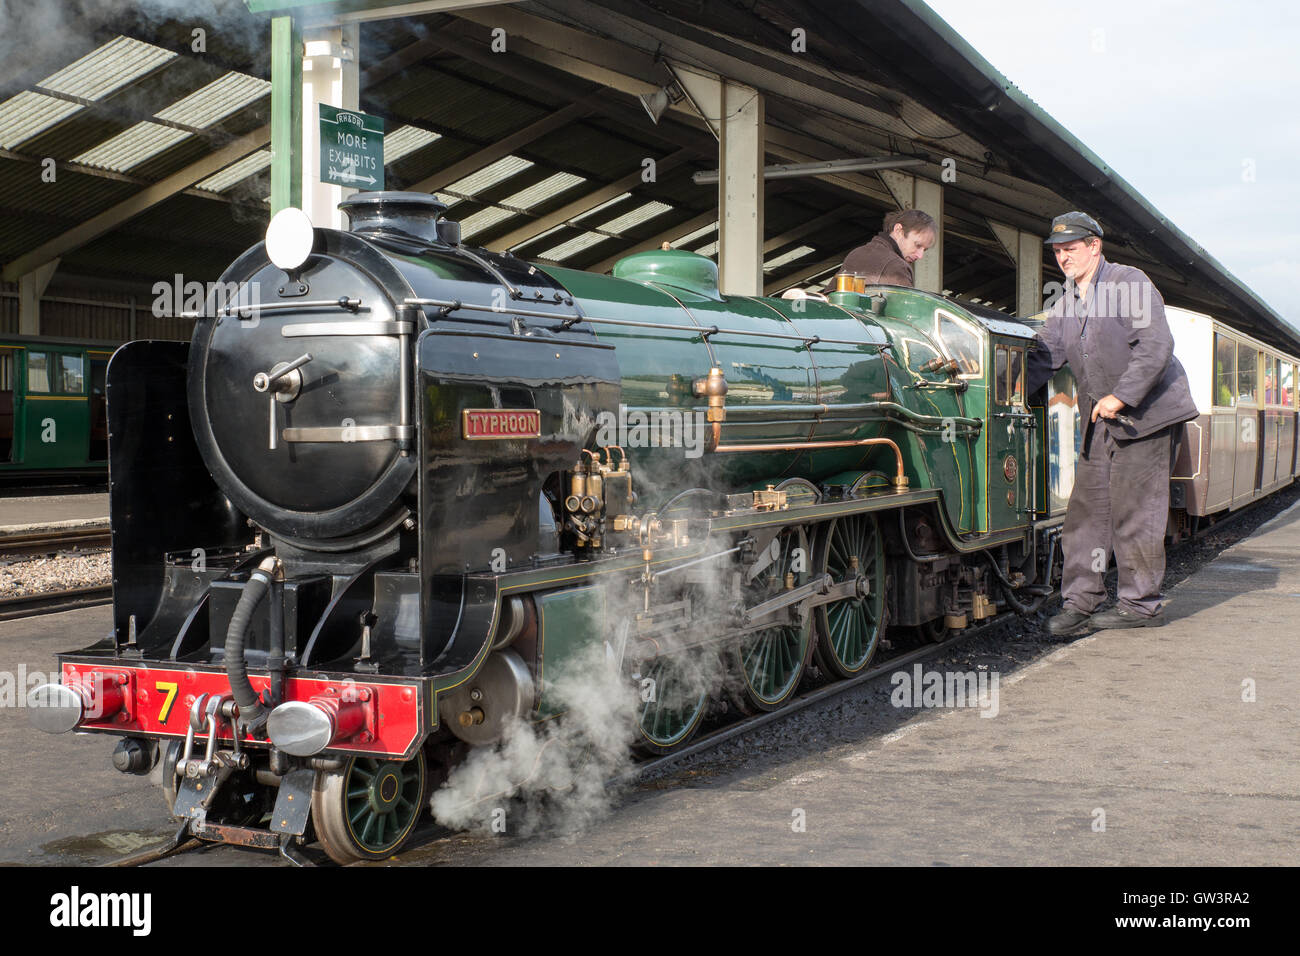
342,302
702,331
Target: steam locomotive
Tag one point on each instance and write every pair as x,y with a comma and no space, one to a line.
396,490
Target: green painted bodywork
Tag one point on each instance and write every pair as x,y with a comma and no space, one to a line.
568,624
782,390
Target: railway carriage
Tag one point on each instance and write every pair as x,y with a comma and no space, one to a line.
1242,444
370,521
53,411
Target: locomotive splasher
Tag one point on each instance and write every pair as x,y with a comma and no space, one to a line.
366,516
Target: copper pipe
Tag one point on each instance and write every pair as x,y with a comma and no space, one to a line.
900,478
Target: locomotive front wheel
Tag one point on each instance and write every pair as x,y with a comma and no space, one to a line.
771,662
674,697
367,810
849,630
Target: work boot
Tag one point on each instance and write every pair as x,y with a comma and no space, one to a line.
1122,617
1069,621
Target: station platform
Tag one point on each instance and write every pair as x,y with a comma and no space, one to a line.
53,512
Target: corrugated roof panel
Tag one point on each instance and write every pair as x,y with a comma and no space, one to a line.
483,219
573,246
132,146
406,140
630,220
548,188
709,250
787,257
540,236
209,104
604,205
488,176
235,172
692,236
112,66
28,113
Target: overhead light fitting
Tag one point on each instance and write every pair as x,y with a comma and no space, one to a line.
657,103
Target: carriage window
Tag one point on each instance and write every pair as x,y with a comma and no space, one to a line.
961,342
6,371
1246,373
1225,371
1000,375
1287,388
1270,380
71,376
38,372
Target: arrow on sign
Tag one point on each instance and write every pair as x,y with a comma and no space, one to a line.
353,177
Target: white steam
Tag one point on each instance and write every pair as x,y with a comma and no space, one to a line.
572,757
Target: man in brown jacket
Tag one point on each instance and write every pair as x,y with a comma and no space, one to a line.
887,259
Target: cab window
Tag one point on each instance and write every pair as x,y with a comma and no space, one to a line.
918,353
1000,375
961,342
1016,377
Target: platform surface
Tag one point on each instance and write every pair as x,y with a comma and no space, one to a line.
29,515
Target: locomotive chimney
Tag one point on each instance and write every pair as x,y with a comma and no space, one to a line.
415,216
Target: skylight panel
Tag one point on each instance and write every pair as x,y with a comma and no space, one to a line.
573,246
604,205
132,146
787,257
28,113
697,234
635,217
108,68
236,172
212,103
548,188
539,237
406,140
489,176
483,219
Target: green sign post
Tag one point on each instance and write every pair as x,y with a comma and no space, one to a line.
351,148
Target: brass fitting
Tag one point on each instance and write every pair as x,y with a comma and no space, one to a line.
713,388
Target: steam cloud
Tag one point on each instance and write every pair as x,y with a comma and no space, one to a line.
557,773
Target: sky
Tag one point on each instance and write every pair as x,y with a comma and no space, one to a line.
1196,103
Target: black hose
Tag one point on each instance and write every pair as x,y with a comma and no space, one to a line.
251,712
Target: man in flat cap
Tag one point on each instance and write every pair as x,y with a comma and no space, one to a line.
1109,327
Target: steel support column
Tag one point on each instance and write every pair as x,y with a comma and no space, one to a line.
735,114
1026,251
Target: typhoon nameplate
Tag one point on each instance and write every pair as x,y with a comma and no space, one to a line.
488,423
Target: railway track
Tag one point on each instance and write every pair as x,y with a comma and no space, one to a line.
50,602
55,541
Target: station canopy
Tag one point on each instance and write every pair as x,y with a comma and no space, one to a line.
158,125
